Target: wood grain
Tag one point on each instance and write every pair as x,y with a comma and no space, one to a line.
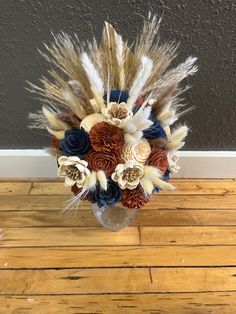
15,188
68,236
117,280
183,186
116,256
188,235
158,201
181,259
181,303
146,217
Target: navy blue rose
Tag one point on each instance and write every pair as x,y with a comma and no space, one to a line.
166,176
154,131
109,197
75,143
117,95
152,116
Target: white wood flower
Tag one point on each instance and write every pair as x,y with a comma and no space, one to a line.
138,152
88,122
172,162
117,114
74,170
128,175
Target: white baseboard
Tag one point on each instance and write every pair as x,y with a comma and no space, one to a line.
36,163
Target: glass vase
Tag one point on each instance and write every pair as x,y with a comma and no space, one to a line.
114,218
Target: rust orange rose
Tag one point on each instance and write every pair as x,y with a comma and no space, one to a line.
134,198
106,138
106,161
158,159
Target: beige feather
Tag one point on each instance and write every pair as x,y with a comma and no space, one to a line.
153,174
175,140
54,120
102,179
163,184
168,118
60,135
90,182
147,185
74,103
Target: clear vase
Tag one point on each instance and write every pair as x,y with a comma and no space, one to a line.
114,218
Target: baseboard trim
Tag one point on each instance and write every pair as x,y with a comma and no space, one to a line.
36,163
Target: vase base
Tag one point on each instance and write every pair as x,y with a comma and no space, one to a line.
114,218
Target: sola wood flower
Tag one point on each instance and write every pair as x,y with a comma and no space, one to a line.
117,114
106,138
75,143
134,198
158,159
172,162
74,170
128,175
105,161
88,122
138,152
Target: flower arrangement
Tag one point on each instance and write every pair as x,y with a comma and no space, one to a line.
109,107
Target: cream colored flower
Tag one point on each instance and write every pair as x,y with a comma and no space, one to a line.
128,175
138,152
117,114
172,162
88,122
74,170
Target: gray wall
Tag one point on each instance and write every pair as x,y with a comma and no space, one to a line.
204,27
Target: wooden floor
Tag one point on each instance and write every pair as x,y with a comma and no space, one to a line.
179,255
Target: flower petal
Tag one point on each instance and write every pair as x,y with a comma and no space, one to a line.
69,181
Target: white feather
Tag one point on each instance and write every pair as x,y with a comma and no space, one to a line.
90,182
153,174
168,118
175,140
73,203
119,49
93,75
147,185
135,126
120,57
102,179
178,134
141,78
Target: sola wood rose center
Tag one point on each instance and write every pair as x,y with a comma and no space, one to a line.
178,256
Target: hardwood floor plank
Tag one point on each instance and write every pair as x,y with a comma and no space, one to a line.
158,201
194,279
181,303
117,280
186,217
146,217
116,256
15,188
68,236
183,186
72,281
188,235
50,188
